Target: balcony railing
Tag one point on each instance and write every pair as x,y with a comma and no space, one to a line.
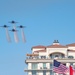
47,58
42,69
65,60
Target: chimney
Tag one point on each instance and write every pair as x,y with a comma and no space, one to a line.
56,42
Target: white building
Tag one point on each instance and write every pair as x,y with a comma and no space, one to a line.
40,62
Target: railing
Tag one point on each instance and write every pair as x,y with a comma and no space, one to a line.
42,69
47,58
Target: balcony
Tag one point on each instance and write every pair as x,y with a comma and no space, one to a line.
41,69
48,60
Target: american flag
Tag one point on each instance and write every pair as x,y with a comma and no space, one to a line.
60,68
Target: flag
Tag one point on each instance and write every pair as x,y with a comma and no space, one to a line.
72,71
60,68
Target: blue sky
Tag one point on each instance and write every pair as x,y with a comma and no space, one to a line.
45,21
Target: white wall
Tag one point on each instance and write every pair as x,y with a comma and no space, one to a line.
52,50
48,65
29,73
29,65
40,65
47,73
71,54
70,47
67,64
40,73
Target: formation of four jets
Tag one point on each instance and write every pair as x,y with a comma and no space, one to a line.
15,32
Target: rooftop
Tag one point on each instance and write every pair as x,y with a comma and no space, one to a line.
73,44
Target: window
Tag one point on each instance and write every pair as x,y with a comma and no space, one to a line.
44,65
71,63
44,72
62,56
74,66
51,65
33,72
52,56
51,72
34,65
43,57
71,57
56,56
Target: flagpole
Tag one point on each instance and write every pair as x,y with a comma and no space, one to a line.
52,65
69,69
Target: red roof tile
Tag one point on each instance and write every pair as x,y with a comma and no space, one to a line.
32,54
40,51
56,46
73,44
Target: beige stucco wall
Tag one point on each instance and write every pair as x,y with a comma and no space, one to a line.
70,47
29,65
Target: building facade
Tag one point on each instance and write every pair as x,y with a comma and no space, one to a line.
40,62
